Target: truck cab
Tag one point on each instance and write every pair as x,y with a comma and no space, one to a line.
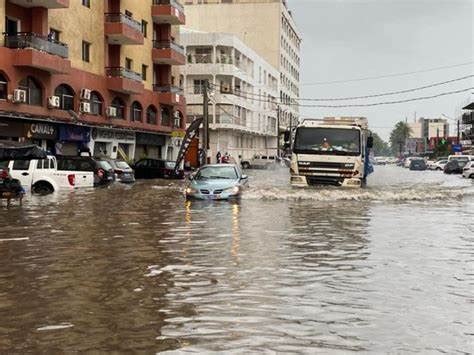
331,151
42,175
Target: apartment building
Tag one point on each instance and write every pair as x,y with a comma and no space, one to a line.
467,136
236,76
88,73
426,133
267,27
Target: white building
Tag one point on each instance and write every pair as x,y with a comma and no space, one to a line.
242,122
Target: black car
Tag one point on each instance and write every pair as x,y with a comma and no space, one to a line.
454,167
103,172
418,164
155,168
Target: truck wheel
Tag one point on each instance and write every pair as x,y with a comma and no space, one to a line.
42,188
245,165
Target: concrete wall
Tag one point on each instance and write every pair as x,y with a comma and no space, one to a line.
250,22
77,24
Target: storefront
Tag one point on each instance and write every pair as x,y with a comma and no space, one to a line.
116,144
11,129
42,134
72,139
150,145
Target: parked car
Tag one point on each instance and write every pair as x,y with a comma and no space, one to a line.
468,170
260,162
438,165
216,182
103,171
417,164
156,168
454,167
43,176
123,172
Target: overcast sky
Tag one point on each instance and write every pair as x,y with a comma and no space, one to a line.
350,39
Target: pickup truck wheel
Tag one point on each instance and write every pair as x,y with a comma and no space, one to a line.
471,176
245,165
42,188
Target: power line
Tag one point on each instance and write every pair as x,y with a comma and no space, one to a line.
364,96
387,75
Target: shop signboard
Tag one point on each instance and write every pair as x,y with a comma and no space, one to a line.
150,139
112,134
41,130
11,128
70,133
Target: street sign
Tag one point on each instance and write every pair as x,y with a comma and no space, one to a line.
457,148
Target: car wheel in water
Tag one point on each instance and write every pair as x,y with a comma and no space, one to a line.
42,188
245,165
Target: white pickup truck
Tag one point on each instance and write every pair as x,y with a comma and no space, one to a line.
42,176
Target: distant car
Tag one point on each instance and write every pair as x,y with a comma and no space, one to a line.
216,182
438,165
261,162
468,170
123,172
417,164
103,171
454,167
156,168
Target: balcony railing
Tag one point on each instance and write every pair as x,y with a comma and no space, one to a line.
120,72
173,3
167,88
168,44
22,40
125,19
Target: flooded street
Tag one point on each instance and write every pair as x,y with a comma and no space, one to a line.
386,269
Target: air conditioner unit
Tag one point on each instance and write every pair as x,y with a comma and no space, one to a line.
85,107
111,111
225,88
85,94
54,102
19,96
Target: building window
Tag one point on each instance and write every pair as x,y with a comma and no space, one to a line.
136,111
86,3
165,116
144,28
119,106
199,86
144,71
3,88
66,97
128,63
34,94
86,47
151,114
96,103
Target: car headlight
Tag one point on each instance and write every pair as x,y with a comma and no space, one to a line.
233,190
190,190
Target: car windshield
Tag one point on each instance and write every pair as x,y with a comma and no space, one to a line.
104,165
336,141
217,172
122,165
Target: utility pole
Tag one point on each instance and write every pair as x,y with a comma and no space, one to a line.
459,135
205,114
278,130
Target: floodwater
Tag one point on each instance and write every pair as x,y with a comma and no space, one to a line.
386,269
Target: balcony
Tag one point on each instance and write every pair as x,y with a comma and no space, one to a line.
169,94
168,11
124,80
168,52
468,118
122,29
39,52
49,4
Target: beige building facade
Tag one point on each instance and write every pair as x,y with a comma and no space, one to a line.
267,27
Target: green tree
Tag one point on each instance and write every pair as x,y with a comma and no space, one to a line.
381,148
398,137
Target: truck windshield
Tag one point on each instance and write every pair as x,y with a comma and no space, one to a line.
333,141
